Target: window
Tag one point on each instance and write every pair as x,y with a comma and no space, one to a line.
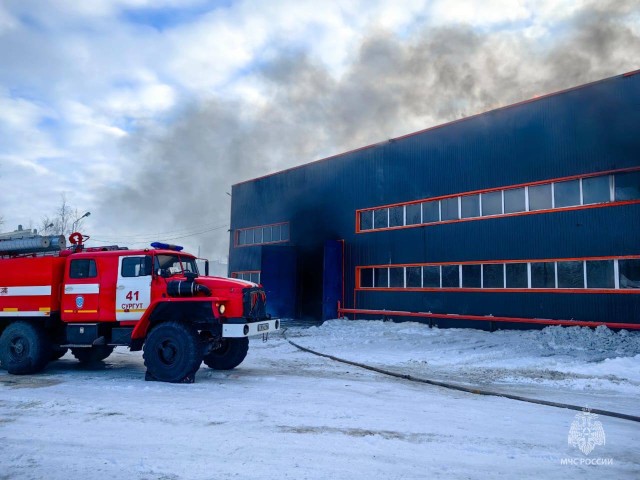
396,216
431,276
381,218
627,186
600,274
566,194
266,234
85,268
257,235
540,197
284,232
263,234
413,214
516,275
492,203
366,277
449,209
381,277
493,275
470,206
431,212
136,266
276,233
396,277
366,220
596,190
414,277
249,237
247,276
450,276
629,273
570,275
471,276
552,275
174,264
543,275
514,200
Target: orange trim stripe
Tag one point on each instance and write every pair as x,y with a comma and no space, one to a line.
626,291
506,187
483,262
499,215
488,318
504,215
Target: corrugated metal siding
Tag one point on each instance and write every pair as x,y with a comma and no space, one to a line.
590,129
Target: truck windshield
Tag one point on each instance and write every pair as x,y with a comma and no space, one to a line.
175,264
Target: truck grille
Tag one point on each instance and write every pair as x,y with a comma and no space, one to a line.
254,303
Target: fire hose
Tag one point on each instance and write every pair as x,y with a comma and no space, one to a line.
461,388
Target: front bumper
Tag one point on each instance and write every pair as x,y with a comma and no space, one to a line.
238,330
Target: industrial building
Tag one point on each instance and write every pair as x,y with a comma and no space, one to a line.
524,215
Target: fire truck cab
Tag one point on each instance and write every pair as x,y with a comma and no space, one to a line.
91,300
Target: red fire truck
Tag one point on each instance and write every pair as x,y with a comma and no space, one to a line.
91,300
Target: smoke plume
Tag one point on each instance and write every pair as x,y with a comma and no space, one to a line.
393,86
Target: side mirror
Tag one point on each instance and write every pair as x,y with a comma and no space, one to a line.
206,268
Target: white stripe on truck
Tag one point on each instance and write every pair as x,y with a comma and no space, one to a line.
74,288
25,291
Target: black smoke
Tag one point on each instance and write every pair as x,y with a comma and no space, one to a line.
393,86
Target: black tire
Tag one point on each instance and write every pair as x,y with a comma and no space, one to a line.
92,355
24,348
172,352
230,354
58,352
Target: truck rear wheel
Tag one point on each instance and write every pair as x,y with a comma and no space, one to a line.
230,354
24,348
93,354
172,352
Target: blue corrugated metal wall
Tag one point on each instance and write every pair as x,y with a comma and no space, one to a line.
589,129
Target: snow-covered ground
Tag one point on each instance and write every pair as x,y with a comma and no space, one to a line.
595,368
287,414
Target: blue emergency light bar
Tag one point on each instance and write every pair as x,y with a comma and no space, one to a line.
167,246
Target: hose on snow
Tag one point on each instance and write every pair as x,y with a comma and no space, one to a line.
461,388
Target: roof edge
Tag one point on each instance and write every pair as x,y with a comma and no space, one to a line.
441,125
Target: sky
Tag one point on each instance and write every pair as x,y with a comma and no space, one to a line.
145,112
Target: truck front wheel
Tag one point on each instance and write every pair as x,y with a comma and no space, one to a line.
230,354
24,348
172,352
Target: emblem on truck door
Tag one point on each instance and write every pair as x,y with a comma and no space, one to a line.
79,301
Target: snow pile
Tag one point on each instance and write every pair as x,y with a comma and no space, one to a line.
594,345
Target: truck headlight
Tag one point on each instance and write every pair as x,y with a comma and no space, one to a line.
222,309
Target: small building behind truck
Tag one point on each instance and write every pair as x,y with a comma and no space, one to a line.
92,300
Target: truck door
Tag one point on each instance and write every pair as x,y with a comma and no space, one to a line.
133,291
81,293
